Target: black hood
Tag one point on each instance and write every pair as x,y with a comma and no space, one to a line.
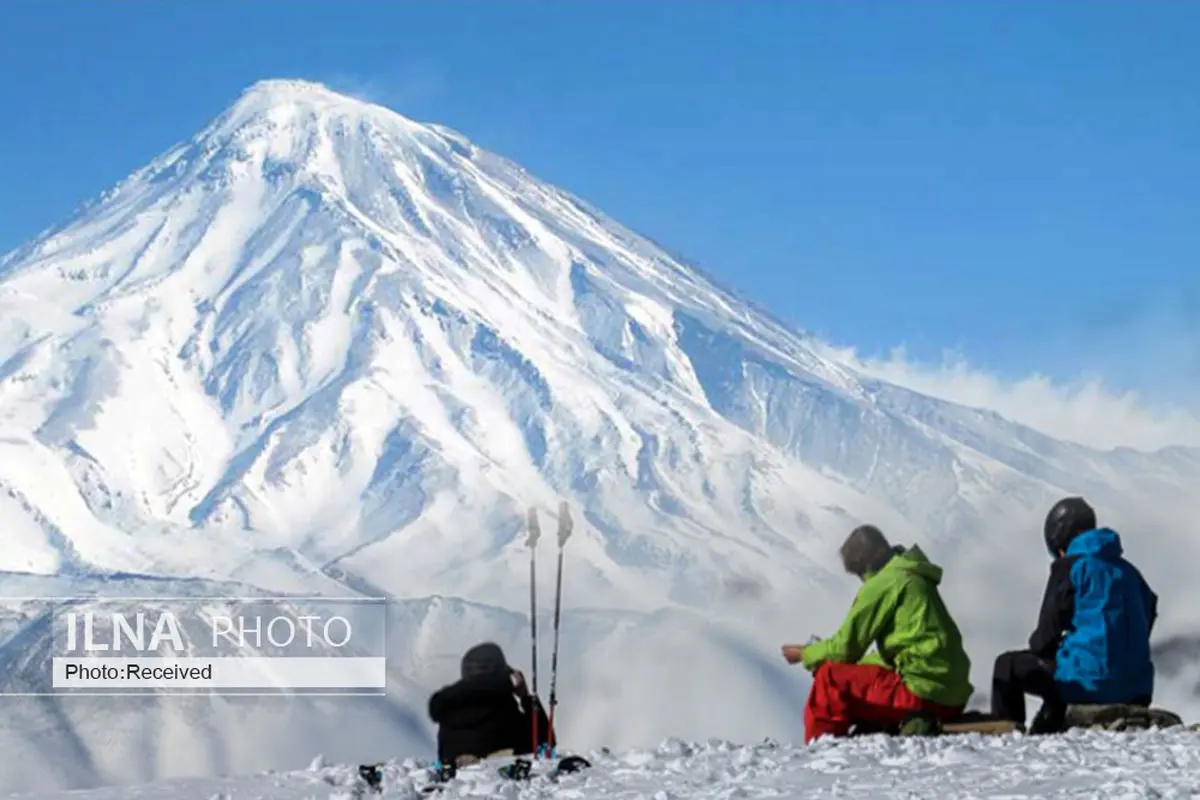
483,659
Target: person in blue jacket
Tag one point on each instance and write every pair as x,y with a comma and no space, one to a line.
1092,642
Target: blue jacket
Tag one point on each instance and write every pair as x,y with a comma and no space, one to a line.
1096,619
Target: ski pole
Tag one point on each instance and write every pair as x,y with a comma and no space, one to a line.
535,532
565,526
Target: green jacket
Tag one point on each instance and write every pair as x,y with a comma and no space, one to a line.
899,610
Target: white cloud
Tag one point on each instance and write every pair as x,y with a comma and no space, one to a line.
1087,411
407,88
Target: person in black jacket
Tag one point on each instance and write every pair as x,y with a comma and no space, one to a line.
1092,641
488,710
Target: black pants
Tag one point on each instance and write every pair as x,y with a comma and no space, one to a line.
1018,673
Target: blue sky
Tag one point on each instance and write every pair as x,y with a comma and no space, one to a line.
1017,181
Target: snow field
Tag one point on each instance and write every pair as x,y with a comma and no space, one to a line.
1080,764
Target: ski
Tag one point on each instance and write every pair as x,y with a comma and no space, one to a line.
515,769
372,777
523,770
440,776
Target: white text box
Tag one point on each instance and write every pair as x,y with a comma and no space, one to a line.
220,673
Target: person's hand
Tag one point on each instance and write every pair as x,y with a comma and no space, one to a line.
793,653
518,680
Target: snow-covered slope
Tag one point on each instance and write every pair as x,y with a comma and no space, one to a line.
323,348
1083,764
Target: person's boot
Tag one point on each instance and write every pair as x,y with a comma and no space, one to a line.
921,723
1051,718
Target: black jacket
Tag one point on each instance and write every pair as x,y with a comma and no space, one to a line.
482,714
1057,614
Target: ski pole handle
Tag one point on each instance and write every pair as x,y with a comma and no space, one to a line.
565,523
533,526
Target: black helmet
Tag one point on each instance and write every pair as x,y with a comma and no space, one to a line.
1068,518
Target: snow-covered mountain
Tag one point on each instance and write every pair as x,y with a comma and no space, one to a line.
323,348
319,335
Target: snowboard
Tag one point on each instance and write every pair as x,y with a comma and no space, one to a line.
988,727
1120,717
926,726
1091,717
976,722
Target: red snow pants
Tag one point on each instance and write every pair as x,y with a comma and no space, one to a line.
846,694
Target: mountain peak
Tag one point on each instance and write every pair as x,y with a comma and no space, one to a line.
274,93
292,103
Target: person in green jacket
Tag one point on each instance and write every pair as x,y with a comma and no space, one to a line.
919,666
